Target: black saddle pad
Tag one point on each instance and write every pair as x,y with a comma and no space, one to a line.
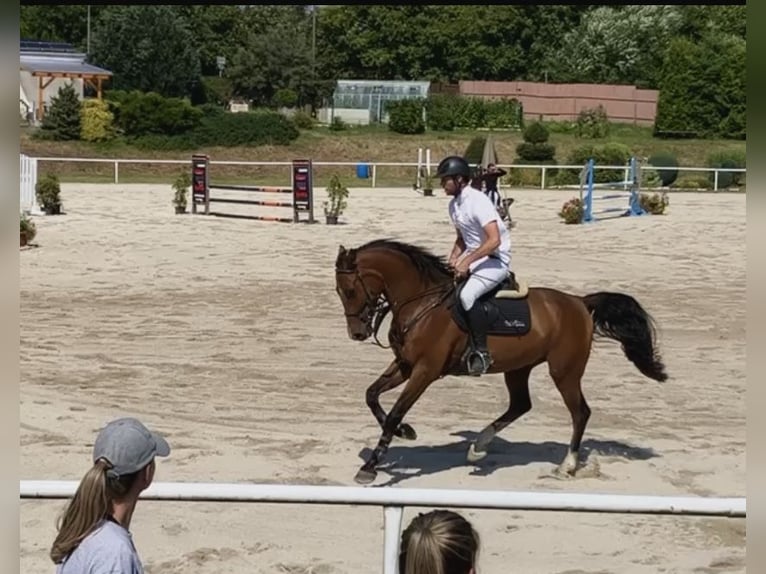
504,316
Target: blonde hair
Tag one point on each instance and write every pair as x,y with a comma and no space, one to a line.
438,542
92,502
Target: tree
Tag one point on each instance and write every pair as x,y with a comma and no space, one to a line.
274,58
613,45
62,120
703,87
148,48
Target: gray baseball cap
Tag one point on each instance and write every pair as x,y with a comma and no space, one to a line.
128,446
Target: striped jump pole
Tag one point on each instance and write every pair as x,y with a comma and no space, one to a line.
301,191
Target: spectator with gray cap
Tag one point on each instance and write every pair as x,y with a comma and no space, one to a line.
94,531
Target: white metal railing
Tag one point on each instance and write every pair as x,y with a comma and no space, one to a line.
372,164
393,501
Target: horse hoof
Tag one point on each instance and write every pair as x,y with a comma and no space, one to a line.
406,432
565,471
473,455
365,476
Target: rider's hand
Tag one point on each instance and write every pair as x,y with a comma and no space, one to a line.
461,268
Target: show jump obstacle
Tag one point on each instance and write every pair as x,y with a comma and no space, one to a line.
630,187
302,192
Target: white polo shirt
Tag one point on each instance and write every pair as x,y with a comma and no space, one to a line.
470,211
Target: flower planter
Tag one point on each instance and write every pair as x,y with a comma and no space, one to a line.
428,192
331,219
180,209
23,238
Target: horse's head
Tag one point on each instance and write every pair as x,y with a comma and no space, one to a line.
360,290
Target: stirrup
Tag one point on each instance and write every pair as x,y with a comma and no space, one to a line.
478,363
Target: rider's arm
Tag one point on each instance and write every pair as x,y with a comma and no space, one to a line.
489,245
457,249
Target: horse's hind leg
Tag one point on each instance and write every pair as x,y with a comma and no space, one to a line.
391,378
568,379
517,383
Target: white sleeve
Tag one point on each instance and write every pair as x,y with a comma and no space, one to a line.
483,210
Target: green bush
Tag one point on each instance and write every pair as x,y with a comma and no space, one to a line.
535,133
337,124
534,149
285,98
48,194
592,123
96,121
535,152
246,129
439,112
406,116
228,130
303,120
664,159
28,227
731,160
140,114
607,154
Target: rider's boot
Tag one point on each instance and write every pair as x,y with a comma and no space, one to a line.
479,359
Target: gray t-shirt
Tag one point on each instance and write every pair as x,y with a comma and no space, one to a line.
108,549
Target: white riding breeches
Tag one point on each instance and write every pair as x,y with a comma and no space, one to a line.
484,277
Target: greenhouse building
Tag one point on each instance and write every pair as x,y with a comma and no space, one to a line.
362,102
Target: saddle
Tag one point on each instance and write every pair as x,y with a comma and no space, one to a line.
506,308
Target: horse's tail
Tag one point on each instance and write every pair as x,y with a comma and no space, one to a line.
622,318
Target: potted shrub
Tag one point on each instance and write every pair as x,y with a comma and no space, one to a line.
28,230
48,193
180,188
654,203
337,194
572,211
428,185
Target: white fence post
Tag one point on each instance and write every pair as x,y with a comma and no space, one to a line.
27,183
392,528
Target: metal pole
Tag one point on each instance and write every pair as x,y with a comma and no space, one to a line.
87,50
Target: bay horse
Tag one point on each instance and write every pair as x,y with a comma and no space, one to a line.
429,338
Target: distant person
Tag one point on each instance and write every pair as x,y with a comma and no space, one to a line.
439,542
490,177
94,531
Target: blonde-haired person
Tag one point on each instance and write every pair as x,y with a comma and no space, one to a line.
94,531
439,542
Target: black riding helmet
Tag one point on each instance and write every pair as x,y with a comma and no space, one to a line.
452,166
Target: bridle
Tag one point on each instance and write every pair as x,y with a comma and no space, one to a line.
374,309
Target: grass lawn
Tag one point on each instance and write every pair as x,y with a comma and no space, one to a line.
369,143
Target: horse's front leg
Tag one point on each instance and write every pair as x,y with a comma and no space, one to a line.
391,378
418,382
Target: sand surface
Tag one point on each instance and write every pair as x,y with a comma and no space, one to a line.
227,336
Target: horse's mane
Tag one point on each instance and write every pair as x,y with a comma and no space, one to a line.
428,265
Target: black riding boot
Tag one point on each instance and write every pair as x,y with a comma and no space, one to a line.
479,359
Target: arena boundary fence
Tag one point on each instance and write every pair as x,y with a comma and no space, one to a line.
394,500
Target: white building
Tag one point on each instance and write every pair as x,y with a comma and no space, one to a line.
46,67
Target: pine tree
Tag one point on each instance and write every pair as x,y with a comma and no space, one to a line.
62,120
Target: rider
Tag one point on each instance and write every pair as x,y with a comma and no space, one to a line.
482,247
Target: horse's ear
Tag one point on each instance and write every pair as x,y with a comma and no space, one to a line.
341,250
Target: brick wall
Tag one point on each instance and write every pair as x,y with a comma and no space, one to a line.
562,102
